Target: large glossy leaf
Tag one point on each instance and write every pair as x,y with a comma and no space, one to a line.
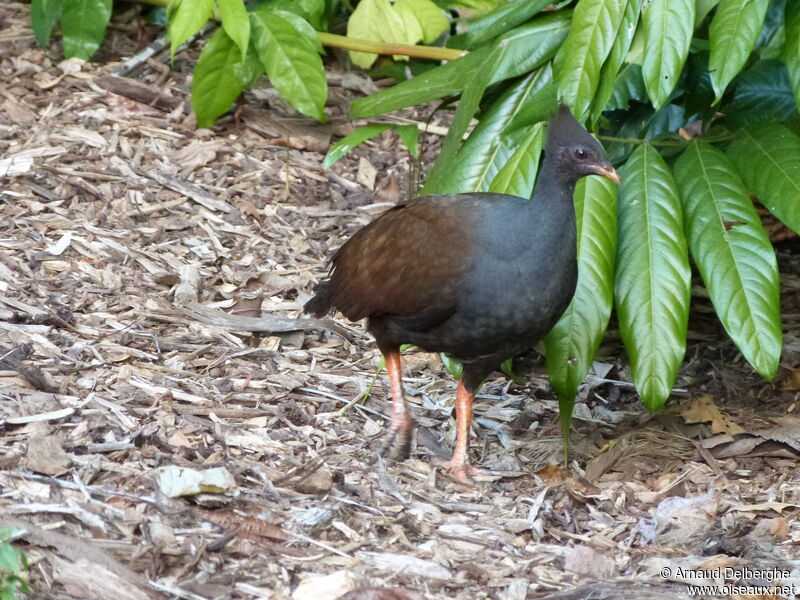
518,175
490,144
791,49
220,76
577,66
501,19
467,107
235,22
83,24
303,27
652,284
44,15
732,252
667,26
763,92
186,17
409,134
767,157
733,34
629,86
616,58
526,48
573,342
703,7
291,62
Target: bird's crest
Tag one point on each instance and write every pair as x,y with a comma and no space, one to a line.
564,129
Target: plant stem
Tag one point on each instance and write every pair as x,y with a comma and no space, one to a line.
348,43
608,138
678,143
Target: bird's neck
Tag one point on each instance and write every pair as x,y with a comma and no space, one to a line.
553,185
555,191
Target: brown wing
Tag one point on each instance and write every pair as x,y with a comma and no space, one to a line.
409,262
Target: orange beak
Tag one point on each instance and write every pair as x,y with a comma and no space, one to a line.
606,171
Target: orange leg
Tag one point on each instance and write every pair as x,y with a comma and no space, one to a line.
402,426
459,466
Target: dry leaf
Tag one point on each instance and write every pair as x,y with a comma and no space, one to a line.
703,410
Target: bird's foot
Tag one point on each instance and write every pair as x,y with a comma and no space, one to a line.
461,471
397,442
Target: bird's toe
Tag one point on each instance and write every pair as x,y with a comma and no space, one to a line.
398,440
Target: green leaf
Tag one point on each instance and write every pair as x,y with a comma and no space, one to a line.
732,252
733,34
763,92
616,58
409,134
220,76
186,17
291,62
429,16
488,147
44,16
573,342
467,107
303,27
767,157
235,22
83,25
578,63
791,49
667,27
703,7
629,86
377,21
518,175
412,29
652,283
444,80
526,48
501,19
314,12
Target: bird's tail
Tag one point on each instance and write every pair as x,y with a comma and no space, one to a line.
322,302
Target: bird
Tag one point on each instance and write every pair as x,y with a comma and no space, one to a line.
480,276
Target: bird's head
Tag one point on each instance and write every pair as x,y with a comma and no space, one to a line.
575,151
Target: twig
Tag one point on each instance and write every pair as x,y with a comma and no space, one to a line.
348,43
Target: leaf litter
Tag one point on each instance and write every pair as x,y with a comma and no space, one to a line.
151,281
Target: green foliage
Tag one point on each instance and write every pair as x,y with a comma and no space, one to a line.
573,342
580,59
186,17
767,156
220,76
667,30
83,24
652,283
291,61
12,565
732,252
409,134
400,22
733,34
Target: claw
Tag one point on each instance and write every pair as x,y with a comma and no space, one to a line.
461,471
397,442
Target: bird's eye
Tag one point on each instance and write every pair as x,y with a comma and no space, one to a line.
580,154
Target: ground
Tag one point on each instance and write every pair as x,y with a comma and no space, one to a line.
130,244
